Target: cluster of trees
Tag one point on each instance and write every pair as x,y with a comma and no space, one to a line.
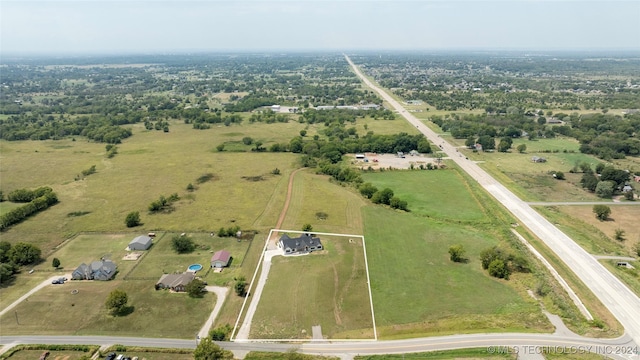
607,136
164,204
605,181
12,257
37,200
334,147
231,231
502,265
384,196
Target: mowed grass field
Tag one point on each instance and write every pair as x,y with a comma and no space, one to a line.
409,263
439,194
327,288
56,310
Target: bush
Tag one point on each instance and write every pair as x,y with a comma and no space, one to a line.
132,219
221,333
497,268
456,253
602,212
55,263
307,227
182,244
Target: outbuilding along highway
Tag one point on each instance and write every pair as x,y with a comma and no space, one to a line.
616,296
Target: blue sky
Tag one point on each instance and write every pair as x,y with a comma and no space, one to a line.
147,26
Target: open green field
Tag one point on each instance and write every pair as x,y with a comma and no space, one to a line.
438,194
327,288
56,310
7,206
316,193
409,264
148,165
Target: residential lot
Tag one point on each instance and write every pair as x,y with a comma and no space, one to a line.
327,288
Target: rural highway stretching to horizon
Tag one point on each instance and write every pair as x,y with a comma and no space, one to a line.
615,295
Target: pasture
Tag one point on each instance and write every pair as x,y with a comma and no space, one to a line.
148,165
327,288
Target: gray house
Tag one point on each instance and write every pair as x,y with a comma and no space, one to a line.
175,282
300,245
142,242
98,270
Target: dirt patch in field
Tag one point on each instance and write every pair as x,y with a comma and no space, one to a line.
386,161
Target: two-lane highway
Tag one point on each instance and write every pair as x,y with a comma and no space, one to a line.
616,296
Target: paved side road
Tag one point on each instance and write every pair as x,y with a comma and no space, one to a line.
615,295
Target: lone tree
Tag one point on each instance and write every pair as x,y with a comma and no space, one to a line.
522,148
456,253
116,301
241,286
602,212
55,263
208,350
619,235
132,219
307,227
195,288
182,244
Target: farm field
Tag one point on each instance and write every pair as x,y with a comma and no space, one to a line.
327,288
57,310
53,354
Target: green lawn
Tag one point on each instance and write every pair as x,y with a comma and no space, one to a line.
327,288
56,310
86,248
409,265
440,194
479,353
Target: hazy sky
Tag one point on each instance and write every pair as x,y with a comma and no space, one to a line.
144,26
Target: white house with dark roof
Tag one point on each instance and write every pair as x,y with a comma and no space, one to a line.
300,245
142,242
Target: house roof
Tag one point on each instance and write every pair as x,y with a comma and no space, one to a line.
221,255
299,243
142,239
173,280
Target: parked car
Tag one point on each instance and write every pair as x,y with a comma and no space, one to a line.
135,358
110,356
55,281
119,357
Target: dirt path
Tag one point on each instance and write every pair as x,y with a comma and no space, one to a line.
245,328
287,201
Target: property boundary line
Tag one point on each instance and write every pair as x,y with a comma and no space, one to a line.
258,267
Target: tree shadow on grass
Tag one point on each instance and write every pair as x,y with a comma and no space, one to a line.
125,311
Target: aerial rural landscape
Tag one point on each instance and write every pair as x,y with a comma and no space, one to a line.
320,205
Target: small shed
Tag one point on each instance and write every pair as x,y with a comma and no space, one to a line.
142,242
537,159
220,259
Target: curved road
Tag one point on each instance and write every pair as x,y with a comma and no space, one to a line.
616,296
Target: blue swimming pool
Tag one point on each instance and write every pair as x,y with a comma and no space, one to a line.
195,267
